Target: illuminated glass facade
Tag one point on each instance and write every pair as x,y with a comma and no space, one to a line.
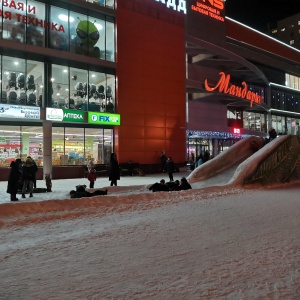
46,76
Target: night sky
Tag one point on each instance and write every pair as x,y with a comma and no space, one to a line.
259,13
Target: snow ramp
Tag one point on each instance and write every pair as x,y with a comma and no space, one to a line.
275,162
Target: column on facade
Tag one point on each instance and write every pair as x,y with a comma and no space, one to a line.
47,151
25,146
215,144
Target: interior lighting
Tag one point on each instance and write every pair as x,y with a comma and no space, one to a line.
99,26
65,18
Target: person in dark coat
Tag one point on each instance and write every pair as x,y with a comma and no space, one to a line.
13,179
173,185
272,134
35,168
184,185
114,170
81,192
170,168
28,173
163,161
159,187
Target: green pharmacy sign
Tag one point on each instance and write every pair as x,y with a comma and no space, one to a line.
73,116
104,118
64,115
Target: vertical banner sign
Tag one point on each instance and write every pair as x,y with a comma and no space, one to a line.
205,19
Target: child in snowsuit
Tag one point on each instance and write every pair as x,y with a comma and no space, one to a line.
92,177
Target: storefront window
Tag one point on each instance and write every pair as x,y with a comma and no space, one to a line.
110,41
32,143
25,24
60,86
84,90
78,88
254,121
87,35
20,142
59,39
58,146
96,91
10,145
77,146
74,146
22,81
106,3
98,145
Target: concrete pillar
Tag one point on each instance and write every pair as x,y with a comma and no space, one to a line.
47,150
25,145
215,147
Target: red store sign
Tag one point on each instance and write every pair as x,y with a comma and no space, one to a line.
224,86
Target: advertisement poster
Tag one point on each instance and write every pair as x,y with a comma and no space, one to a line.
20,112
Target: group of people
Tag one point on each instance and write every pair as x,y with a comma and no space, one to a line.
164,186
22,175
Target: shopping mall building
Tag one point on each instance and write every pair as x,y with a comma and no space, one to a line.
81,79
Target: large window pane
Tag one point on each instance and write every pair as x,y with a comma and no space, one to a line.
97,83
87,35
32,143
22,81
58,146
78,88
110,41
74,146
59,39
13,80
10,145
25,24
60,86
35,32
98,145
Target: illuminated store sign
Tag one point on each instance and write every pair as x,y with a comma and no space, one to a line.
103,118
21,112
64,115
236,130
224,86
177,5
211,8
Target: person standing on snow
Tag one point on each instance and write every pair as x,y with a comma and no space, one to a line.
170,168
13,179
114,170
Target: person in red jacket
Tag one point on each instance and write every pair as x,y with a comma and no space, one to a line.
92,177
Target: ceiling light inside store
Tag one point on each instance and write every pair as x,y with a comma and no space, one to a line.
16,63
99,26
65,18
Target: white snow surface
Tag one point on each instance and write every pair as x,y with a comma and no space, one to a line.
216,241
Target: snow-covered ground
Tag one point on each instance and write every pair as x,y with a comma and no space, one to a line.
211,242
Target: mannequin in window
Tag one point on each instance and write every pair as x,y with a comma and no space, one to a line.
110,106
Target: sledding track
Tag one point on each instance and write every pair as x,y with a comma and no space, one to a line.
276,162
